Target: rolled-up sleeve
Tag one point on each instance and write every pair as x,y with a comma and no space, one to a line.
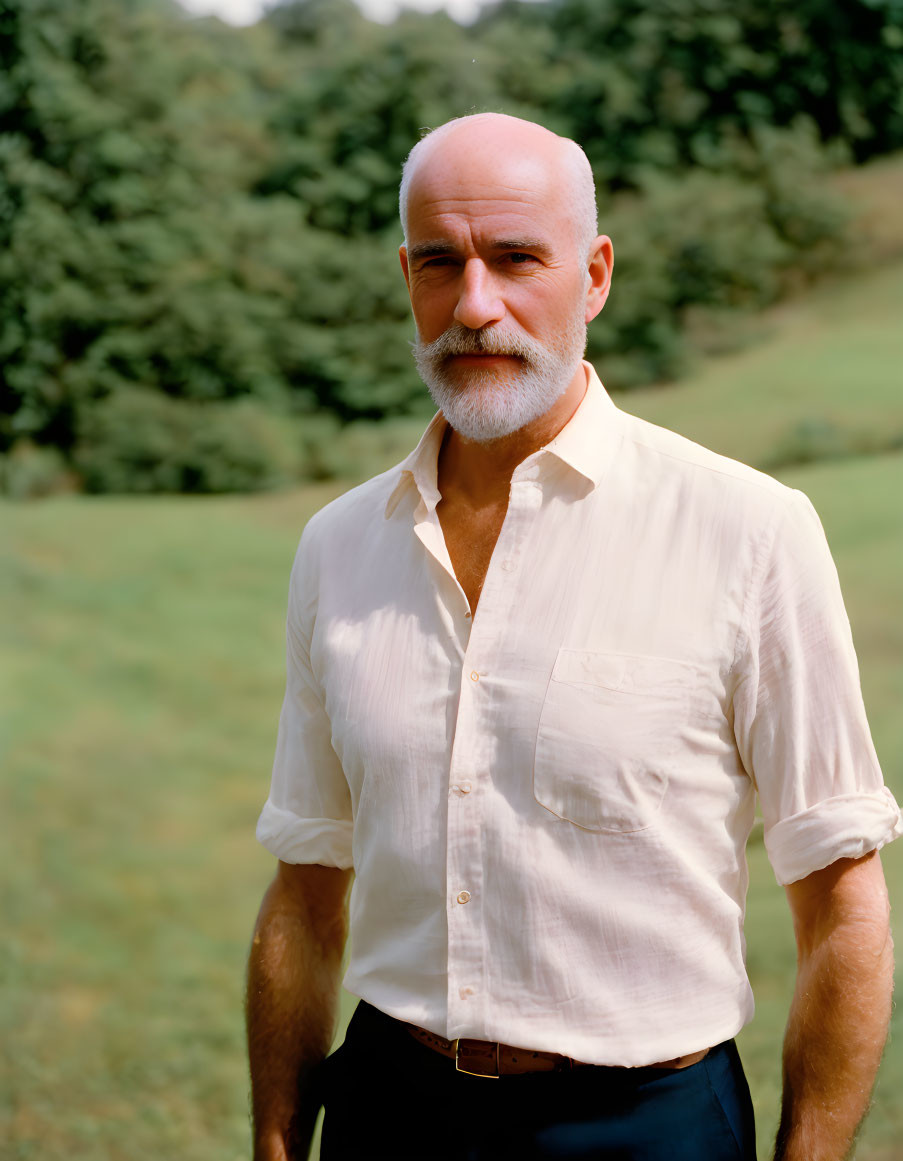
307,816
799,718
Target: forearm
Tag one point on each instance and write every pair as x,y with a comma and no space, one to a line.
294,972
834,1040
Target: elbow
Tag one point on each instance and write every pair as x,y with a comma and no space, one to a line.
846,906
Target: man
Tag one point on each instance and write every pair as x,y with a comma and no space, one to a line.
536,675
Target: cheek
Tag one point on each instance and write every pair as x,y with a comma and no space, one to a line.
433,314
542,314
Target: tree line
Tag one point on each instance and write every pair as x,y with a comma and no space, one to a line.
198,224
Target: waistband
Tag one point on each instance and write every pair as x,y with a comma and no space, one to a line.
489,1058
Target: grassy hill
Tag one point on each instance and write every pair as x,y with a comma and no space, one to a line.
824,374
142,673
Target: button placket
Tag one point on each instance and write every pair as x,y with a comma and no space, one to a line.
449,593
464,855
465,837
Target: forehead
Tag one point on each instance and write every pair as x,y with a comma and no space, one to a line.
455,191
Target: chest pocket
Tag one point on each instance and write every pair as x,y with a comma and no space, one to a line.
610,726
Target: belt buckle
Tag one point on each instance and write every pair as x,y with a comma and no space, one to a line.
467,1072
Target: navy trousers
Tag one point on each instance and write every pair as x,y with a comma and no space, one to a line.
387,1095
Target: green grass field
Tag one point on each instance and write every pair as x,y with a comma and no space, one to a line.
142,674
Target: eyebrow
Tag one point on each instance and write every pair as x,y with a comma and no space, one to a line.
436,249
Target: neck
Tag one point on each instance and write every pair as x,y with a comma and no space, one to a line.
480,473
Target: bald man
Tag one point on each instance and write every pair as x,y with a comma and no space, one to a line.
537,675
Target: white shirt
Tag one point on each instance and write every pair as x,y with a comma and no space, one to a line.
547,805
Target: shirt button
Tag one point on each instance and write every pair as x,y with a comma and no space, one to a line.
465,992
467,614
508,565
474,676
463,896
465,787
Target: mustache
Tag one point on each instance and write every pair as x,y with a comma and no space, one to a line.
461,340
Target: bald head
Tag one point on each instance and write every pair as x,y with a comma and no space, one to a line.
487,143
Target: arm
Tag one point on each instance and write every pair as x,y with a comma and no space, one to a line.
841,1007
293,986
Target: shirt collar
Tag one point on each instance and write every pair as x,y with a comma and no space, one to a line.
588,439
421,467
585,444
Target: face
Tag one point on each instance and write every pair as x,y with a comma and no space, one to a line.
500,291
491,382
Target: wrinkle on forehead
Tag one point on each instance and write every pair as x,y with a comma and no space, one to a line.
436,188
472,189
508,170
442,204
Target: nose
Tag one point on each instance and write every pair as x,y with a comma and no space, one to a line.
479,303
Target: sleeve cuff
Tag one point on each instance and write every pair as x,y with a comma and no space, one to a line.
326,841
845,827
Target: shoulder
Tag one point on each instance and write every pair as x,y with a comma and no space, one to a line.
347,527
710,477
770,529
355,512
336,535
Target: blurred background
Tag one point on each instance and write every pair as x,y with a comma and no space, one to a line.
204,337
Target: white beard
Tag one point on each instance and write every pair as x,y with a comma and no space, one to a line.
486,405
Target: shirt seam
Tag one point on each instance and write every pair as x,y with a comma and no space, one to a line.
767,484
757,579
302,637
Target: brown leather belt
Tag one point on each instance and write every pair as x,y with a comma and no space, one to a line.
491,1059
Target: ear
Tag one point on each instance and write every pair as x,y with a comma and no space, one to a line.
403,256
601,265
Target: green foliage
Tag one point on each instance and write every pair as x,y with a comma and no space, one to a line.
142,441
210,214
815,439
356,451
721,241
665,82
28,472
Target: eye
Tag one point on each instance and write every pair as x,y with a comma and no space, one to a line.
519,258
